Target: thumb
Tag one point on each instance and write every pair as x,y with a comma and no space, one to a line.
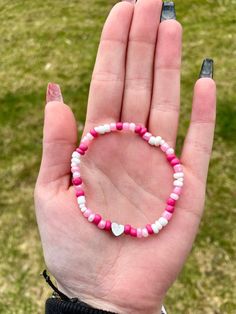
59,140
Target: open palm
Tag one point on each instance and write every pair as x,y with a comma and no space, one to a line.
136,79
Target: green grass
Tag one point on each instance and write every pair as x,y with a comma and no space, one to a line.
43,41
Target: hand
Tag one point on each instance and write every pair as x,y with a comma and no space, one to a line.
125,179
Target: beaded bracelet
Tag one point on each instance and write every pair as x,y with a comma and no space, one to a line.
114,227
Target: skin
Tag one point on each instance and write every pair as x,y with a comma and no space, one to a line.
136,78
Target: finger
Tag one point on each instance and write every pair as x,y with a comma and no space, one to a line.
140,57
59,140
164,112
198,143
107,83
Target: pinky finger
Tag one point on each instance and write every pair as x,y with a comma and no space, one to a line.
199,140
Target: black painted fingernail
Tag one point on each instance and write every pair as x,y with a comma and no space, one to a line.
168,11
207,68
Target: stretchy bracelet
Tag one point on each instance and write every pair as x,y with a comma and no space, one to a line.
156,141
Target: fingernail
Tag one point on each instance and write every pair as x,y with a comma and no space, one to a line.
207,68
53,93
168,11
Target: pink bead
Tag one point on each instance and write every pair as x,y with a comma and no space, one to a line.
83,147
75,169
133,232
149,229
79,193
164,147
147,136
108,225
87,213
93,133
113,126
102,224
143,131
170,208
80,151
78,188
126,126
177,190
178,168
139,233
138,128
170,201
119,126
174,162
127,229
77,181
167,215
170,157
97,219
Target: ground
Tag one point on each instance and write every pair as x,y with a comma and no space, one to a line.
42,41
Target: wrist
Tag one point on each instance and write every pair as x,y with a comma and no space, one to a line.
118,304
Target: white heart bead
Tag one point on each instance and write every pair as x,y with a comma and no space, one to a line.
107,128
152,140
145,232
158,141
178,175
178,183
163,221
174,196
83,208
76,174
159,226
170,151
117,229
76,155
91,217
81,200
155,228
89,136
132,126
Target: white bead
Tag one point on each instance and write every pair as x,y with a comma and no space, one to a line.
152,140
73,164
107,128
170,151
76,174
145,233
113,126
89,136
132,126
84,139
162,142
155,228
91,217
159,226
76,155
178,175
139,233
181,179
174,196
75,161
100,129
178,183
83,209
81,200
163,221
158,140
81,206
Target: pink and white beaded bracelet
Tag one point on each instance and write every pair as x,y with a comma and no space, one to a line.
107,225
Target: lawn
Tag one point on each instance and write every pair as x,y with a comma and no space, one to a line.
42,41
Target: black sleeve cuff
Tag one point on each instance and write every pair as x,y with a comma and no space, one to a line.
57,306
